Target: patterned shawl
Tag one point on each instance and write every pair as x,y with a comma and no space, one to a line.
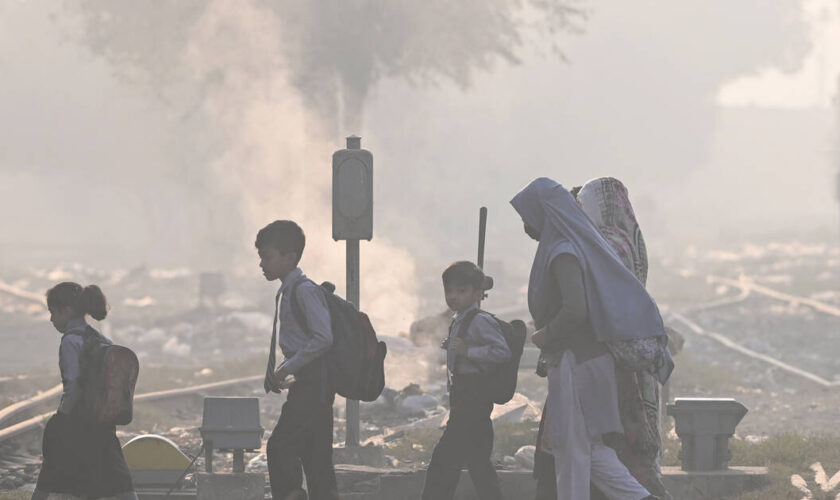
606,202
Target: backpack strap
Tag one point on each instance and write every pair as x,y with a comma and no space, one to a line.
300,317
297,311
465,324
462,330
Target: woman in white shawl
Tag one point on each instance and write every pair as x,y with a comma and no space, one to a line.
580,297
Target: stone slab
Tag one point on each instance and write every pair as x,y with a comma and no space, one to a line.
374,483
696,485
371,456
238,486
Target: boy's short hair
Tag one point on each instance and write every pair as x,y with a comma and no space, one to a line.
464,273
575,190
284,235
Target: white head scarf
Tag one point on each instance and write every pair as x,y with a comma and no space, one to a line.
619,306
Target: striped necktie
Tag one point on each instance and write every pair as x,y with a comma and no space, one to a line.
272,351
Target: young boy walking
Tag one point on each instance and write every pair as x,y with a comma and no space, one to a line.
474,347
304,433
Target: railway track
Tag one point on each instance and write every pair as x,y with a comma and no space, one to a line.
34,425
11,428
10,431
749,286
22,294
731,344
8,414
746,288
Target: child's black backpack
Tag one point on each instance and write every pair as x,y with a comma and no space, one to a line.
503,378
108,377
356,360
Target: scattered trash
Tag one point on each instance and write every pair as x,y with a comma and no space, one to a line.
525,456
259,462
419,404
518,409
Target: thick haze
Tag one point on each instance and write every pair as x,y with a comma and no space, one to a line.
170,136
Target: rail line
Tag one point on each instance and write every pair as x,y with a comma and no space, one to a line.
22,294
749,286
9,412
726,301
731,344
746,288
35,423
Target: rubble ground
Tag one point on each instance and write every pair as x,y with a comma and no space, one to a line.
232,343
414,448
15,495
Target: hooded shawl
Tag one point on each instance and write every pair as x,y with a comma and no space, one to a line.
620,308
606,201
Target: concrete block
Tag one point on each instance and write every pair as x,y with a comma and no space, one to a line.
401,484
358,478
164,494
370,456
238,486
406,483
518,484
697,485
374,483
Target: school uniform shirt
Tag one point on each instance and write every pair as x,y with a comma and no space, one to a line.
486,346
299,345
69,363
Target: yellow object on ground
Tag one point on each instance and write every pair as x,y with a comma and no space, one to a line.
152,452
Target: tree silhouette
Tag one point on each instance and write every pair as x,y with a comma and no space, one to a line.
334,50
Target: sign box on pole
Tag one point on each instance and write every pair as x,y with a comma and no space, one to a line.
352,192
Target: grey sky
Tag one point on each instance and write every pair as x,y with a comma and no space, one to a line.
86,157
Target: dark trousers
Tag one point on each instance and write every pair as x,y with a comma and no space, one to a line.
303,439
544,467
467,441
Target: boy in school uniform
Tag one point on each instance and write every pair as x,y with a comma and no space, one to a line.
470,355
304,433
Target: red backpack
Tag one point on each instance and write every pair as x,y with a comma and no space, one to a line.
109,375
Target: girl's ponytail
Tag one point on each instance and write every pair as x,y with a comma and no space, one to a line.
93,302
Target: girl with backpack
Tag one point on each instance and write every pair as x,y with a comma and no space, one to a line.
82,457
